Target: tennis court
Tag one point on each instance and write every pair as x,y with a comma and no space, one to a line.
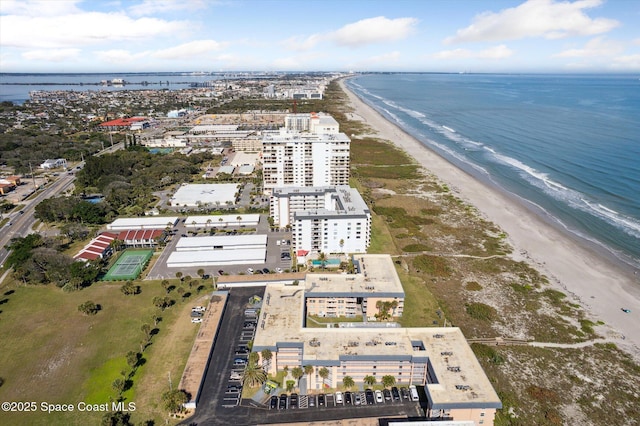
129,265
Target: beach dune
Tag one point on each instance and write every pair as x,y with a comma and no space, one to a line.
600,286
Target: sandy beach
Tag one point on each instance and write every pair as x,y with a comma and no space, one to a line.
587,277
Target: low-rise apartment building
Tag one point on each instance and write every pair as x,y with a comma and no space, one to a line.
437,358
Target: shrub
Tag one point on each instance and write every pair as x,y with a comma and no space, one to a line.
480,311
473,286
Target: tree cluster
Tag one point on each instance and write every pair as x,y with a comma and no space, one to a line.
72,209
36,260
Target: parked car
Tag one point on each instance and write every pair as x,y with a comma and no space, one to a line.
242,352
404,392
282,403
249,270
235,376
387,394
196,320
266,270
239,361
273,403
196,314
369,397
339,398
348,397
321,400
395,393
379,397
293,400
220,271
279,270
357,400
414,393
198,309
311,400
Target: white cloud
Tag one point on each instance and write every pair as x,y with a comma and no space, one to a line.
150,7
495,52
301,43
80,29
118,56
385,58
38,7
366,31
374,30
535,18
52,55
187,50
626,63
595,47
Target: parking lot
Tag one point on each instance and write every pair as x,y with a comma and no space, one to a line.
278,255
368,397
220,400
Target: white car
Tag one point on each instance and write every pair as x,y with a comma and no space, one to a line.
198,309
339,399
279,270
235,376
196,320
249,270
379,397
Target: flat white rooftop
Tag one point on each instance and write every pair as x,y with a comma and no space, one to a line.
185,259
222,242
461,381
244,158
150,222
377,278
192,195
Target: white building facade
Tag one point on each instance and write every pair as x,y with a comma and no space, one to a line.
308,151
323,219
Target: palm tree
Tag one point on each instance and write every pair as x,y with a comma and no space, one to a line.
388,381
200,272
208,223
322,258
253,375
324,373
297,374
266,357
308,370
253,358
347,382
369,380
239,219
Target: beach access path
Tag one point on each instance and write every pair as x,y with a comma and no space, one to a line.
592,280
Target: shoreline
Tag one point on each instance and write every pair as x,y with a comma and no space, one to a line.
601,287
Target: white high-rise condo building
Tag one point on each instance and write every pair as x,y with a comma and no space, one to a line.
308,151
325,219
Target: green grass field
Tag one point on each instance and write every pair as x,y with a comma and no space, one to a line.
55,354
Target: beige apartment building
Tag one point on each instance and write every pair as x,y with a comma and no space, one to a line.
437,358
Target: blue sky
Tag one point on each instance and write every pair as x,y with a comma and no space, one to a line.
293,35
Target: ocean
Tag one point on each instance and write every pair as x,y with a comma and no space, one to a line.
567,146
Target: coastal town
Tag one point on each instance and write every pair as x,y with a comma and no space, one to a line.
297,268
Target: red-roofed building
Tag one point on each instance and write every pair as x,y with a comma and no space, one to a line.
141,237
121,123
99,247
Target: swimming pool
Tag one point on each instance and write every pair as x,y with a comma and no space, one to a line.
328,262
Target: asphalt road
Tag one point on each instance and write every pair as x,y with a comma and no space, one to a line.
22,223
